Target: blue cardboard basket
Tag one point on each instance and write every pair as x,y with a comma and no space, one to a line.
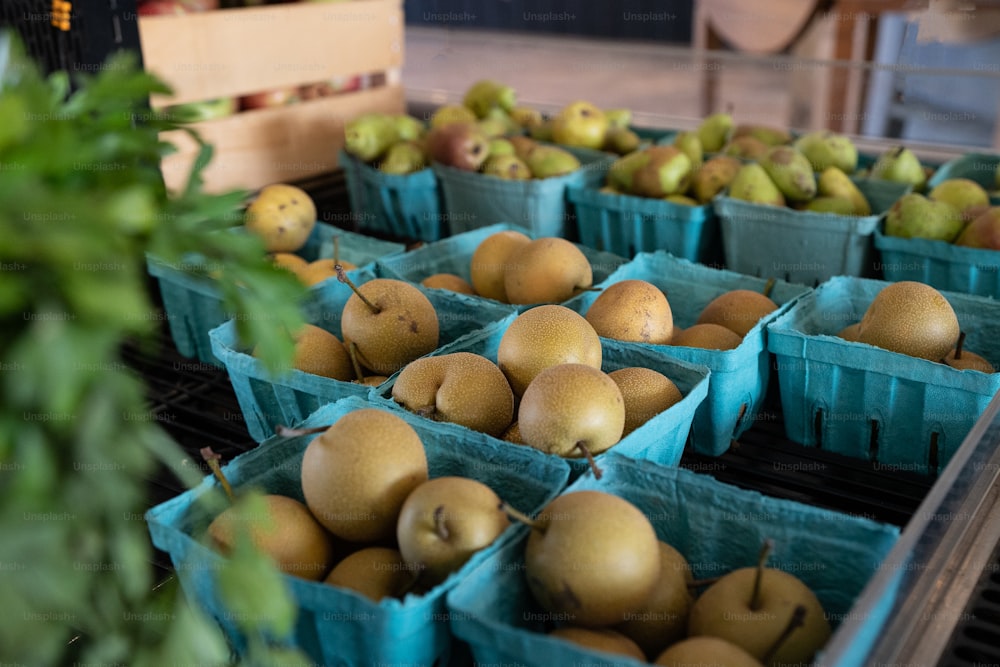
337,626
868,403
803,246
661,439
193,304
402,206
740,376
939,264
267,400
715,526
454,255
978,167
627,225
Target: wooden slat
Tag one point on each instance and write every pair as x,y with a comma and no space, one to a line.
239,51
283,144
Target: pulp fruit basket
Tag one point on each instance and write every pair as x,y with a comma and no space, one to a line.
803,246
454,255
472,200
978,167
267,400
660,439
940,264
402,206
193,304
716,527
627,225
336,626
866,402
740,377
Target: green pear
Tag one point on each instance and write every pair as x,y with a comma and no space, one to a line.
403,157
714,131
522,145
622,170
621,140
833,182
408,128
690,145
484,95
915,216
509,167
747,148
370,135
983,231
836,205
501,146
683,200
752,184
963,193
580,124
713,177
620,118
549,161
542,131
791,172
526,117
772,136
828,149
667,172
452,113
900,165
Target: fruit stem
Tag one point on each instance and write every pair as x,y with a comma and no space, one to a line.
768,286
959,344
342,277
520,517
796,621
440,527
590,459
336,249
213,462
352,352
287,432
765,552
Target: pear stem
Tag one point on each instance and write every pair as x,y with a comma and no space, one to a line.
439,525
796,621
698,583
342,277
590,459
336,249
765,552
959,344
520,517
352,352
213,462
287,432
769,286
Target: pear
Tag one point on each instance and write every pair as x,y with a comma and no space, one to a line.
738,310
513,434
915,216
461,387
580,123
835,205
496,126
546,270
632,310
704,651
391,322
542,131
621,140
753,607
850,332
507,167
622,171
662,618
690,145
451,113
448,281
713,177
289,262
550,161
571,410
320,352
910,318
982,232
522,145
287,533
375,572
322,269
791,172
444,522
828,149
683,200
407,127
591,557
833,182
500,146
459,145
359,471
545,336
900,165
964,360
668,171
747,148
403,157
486,95
714,131
752,184
526,117
706,336
963,193
369,135
600,639
490,260
282,215
618,118
772,136
646,393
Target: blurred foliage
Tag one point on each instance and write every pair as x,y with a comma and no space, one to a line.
82,203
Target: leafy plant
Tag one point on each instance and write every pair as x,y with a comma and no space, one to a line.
81,204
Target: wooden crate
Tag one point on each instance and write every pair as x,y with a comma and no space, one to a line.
234,52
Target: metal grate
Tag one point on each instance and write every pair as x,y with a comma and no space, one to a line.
976,640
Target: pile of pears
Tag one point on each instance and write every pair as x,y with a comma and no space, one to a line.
373,521
594,561
582,124
546,390
392,143
956,210
915,319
